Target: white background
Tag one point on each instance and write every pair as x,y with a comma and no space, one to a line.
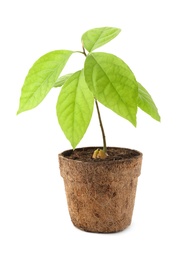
34,219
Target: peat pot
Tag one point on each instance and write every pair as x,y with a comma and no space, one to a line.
100,193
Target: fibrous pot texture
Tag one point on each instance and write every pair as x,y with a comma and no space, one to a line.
100,193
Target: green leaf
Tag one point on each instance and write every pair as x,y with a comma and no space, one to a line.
112,83
75,107
41,78
146,103
61,81
97,37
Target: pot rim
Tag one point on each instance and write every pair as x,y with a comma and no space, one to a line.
67,152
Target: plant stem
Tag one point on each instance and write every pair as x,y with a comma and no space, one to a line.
102,129
99,115
84,52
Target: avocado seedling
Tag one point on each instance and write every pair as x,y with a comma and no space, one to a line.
100,187
105,78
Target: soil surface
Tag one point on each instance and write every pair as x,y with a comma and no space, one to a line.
114,153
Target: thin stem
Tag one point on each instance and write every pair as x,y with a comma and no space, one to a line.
99,115
102,129
84,52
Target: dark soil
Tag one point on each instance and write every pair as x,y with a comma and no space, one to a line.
114,153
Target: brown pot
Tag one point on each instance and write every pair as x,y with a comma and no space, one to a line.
100,193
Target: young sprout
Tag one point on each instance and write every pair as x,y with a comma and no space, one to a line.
105,79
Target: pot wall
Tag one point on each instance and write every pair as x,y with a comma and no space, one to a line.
101,194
